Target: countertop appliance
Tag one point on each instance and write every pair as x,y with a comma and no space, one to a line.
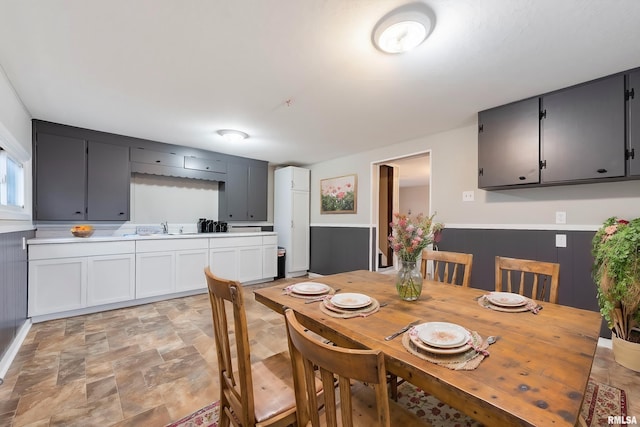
211,226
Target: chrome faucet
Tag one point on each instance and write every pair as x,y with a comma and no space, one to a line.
165,227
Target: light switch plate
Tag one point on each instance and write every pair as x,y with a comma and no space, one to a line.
468,196
561,217
561,240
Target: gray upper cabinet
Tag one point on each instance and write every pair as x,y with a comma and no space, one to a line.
208,165
60,178
582,132
233,194
633,96
243,196
160,158
80,180
108,182
257,197
508,145
175,163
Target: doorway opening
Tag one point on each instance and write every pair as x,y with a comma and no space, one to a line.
402,185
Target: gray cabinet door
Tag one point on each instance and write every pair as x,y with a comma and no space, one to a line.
61,175
235,193
582,135
634,123
508,145
108,182
257,193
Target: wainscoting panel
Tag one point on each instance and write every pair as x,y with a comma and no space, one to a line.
13,286
577,288
339,249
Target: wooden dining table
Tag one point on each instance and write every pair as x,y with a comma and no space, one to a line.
536,373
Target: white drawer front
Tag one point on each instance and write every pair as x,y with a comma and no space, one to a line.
170,245
234,242
269,240
70,250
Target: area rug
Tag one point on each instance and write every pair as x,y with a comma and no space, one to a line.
600,402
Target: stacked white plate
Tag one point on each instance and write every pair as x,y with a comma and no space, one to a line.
441,337
506,299
310,288
350,300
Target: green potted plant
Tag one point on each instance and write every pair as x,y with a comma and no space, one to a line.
616,272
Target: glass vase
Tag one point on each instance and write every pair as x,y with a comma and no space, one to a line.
409,281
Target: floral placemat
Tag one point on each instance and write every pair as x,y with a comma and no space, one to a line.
289,291
331,310
465,361
531,306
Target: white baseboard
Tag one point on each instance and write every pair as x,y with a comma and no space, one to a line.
13,349
604,342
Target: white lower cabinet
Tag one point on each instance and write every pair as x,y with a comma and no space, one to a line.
57,285
155,274
250,263
64,277
169,266
223,262
112,278
245,259
269,257
71,276
190,269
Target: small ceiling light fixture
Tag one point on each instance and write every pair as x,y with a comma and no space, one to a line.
403,28
231,135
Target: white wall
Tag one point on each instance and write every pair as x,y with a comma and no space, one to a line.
156,199
414,200
15,131
454,166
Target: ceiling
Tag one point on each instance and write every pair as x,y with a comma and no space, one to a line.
302,78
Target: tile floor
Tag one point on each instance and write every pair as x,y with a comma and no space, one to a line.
153,364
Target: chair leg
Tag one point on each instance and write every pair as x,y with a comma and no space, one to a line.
393,386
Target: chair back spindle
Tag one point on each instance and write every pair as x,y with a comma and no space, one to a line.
542,278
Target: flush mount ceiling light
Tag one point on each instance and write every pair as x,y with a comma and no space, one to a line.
231,135
403,29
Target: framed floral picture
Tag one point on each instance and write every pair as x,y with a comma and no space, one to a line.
339,195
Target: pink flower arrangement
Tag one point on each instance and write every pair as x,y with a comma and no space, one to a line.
410,236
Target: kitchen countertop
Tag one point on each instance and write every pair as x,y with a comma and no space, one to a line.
129,237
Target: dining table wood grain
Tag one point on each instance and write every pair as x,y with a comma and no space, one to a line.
536,374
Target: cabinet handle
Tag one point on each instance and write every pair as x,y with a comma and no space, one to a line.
158,161
522,178
121,213
602,171
78,213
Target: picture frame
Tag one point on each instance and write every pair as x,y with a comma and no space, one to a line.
339,195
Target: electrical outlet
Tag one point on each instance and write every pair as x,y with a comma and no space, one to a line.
467,196
561,217
561,240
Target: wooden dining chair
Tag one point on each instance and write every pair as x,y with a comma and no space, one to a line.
448,266
361,382
251,394
537,279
